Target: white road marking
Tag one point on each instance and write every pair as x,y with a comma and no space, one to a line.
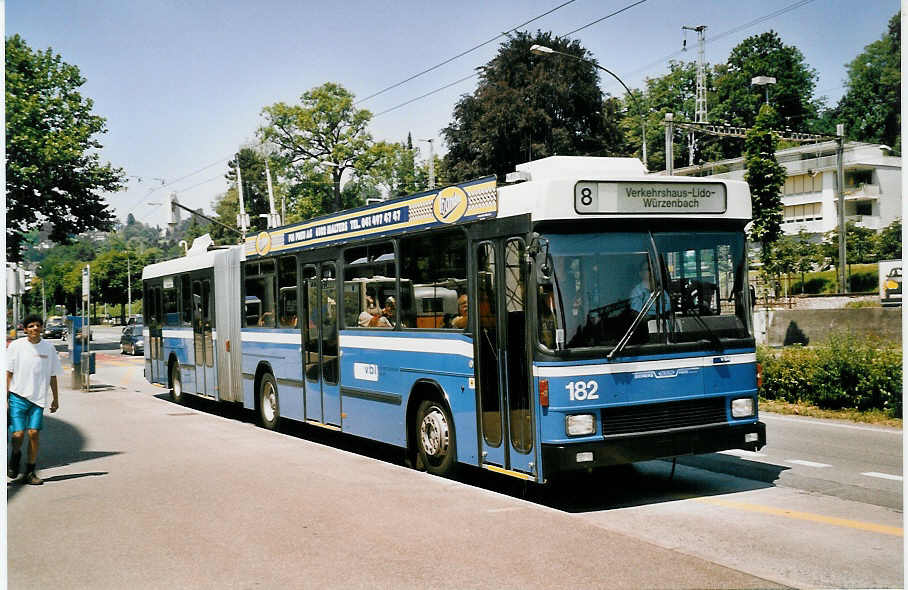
807,463
883,475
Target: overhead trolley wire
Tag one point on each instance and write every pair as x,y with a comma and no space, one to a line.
463,53
598,20
723,34
172,182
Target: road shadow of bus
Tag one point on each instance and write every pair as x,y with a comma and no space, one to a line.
622,486
308,432
62,444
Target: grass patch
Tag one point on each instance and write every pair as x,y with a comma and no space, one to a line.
877,417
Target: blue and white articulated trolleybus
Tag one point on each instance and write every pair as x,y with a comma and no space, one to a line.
584,314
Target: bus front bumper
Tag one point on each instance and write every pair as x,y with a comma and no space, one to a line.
647,446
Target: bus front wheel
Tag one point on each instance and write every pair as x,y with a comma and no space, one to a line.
176,384
435,438
269,410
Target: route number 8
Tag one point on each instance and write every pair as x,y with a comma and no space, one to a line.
582,390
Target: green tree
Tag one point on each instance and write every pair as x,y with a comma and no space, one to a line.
53,171
782,260
676,93
889,242
738,102
871,106
765,176
807,255
527,107
324,134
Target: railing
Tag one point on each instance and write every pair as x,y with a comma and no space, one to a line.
863,190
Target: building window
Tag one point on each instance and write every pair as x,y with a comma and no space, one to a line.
863,208
803,183
856,178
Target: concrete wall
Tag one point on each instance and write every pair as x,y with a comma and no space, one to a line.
813,326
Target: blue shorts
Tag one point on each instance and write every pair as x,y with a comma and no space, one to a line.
24,414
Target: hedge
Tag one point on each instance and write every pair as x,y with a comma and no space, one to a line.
844,372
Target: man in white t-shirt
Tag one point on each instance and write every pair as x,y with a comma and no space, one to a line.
32,366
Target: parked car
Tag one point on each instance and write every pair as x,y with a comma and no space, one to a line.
54,329
893,285
131,341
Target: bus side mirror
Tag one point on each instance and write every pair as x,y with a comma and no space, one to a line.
541,245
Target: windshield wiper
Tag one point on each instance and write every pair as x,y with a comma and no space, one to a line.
636,323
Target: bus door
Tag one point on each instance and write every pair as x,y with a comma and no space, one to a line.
203,347
155,308
502,370
320,343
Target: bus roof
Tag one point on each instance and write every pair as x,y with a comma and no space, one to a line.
558,187
192,261
568,187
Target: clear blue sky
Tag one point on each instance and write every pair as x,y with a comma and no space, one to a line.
182,83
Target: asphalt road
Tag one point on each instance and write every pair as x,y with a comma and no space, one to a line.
143,493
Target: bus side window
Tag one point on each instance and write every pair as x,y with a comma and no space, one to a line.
433,274
286,297
186,301
258,302
370,279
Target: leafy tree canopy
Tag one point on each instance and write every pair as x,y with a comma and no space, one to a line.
738,102
323,135
871,105
53,173
528,107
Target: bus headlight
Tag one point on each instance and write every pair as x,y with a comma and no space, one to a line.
580,424
743,407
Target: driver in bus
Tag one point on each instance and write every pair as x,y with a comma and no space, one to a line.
641,293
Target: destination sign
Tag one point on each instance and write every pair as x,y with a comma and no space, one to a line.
649,197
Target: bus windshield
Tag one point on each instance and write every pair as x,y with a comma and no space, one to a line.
670,287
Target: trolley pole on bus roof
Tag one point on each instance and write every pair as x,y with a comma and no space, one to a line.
242,218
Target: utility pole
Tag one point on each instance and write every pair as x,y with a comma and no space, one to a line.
700,114
840,189
128,287
669,145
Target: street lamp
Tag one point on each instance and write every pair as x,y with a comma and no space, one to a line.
543,50
763,81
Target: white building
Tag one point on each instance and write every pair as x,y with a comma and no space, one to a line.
873,185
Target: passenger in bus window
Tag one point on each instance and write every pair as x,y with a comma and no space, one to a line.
460,322
386,318
369,314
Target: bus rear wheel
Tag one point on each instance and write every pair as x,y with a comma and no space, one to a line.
435,447
176,384
269,410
